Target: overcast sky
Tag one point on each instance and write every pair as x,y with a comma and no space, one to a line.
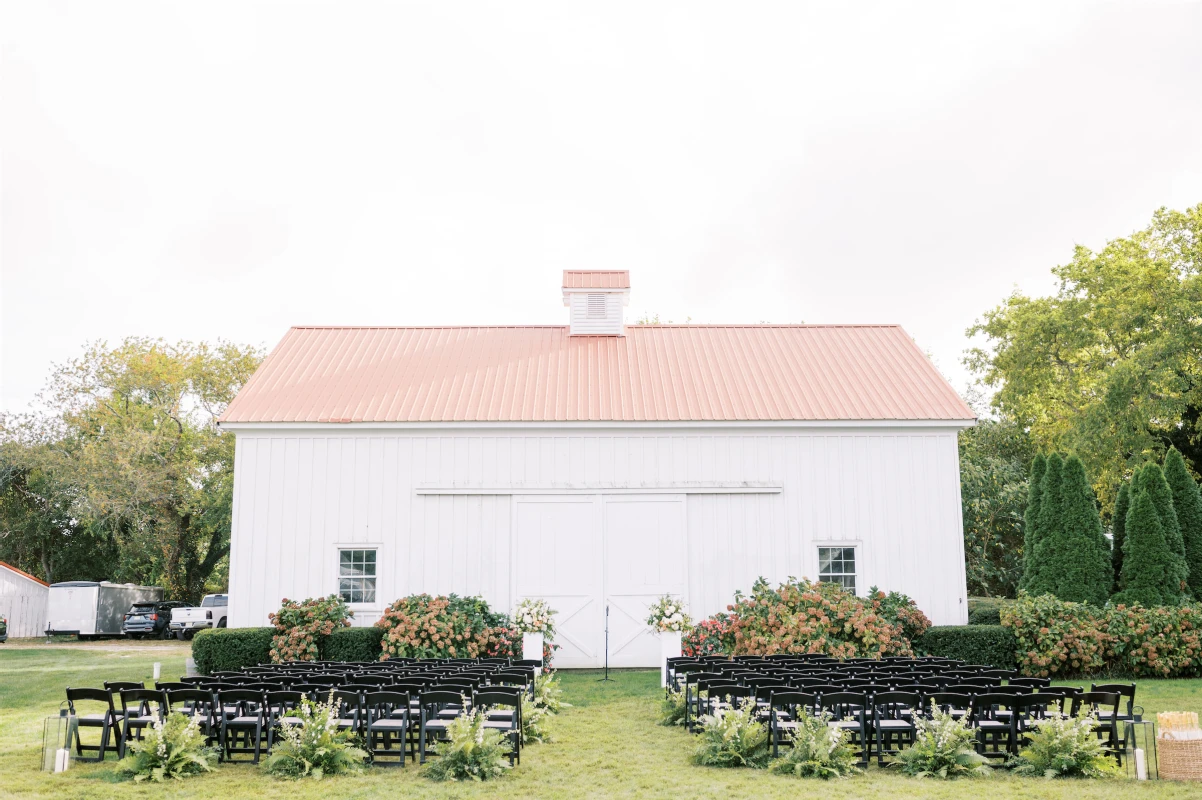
204,170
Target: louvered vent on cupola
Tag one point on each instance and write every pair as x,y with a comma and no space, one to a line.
596,300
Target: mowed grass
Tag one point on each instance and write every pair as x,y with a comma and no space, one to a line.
607,745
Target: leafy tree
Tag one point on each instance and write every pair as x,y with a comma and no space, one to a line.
1148,558
1187,503
1109,366
1031,519
38,532
1076,557
132,431
1050,513
1151,480
993,492
1118,523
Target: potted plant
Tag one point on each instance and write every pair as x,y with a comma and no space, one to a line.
536,621
667,616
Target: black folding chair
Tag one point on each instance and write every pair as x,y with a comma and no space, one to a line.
995,723
106,720
893,715
509,721
279,705
387,726
243,716
784,709
137,714
1105,705
432,724
849,711
196,703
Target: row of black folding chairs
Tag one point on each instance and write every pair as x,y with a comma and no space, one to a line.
244,721
884,723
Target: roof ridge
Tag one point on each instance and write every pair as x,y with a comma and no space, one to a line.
23,573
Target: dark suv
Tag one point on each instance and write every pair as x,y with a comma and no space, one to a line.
3,629
149,619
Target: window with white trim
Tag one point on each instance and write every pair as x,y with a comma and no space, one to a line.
357,576
838,565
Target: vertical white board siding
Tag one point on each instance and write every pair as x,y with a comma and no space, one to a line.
299,495
23,604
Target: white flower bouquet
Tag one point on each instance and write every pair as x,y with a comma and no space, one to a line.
535,616
668,614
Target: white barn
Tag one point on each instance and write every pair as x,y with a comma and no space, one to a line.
22,602
596,465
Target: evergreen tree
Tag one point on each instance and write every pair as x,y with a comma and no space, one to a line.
1031,519
1148,558
1118,524
1152,481
1187,502
1048,526
1076,557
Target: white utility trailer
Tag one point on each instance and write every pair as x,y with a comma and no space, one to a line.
94,608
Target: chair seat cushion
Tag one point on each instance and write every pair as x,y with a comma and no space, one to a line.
389,725
894,724
243,721
88,719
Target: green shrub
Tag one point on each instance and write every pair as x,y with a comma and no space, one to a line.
315,748
1187,502
1163,642
1118,532
219,649
817,750
1076,555
471,753
352,644
943,748
973,644
548,693
733,738
174,749
1151,480
986,610
1064,747
1056,638
1047,523
1031,532
538,710
671,709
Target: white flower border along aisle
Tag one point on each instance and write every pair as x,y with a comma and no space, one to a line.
535,619
668,617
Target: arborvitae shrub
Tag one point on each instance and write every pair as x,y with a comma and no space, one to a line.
1031,520
1147,560
1048,525
1076,557
1187,502
1151,479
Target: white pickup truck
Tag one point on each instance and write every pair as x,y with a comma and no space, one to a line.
211,613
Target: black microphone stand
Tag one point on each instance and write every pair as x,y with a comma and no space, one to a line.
606,645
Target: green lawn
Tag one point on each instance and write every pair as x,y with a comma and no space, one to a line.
608,745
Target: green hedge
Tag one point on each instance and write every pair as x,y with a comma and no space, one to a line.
974,644
987,610
220,649
352,644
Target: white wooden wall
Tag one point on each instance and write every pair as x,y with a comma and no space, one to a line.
302,493
23,603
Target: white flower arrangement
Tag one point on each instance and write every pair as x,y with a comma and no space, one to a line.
668,614
535,616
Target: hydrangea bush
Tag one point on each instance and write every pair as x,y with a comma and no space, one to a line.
709,637
425,626
301,626
668,614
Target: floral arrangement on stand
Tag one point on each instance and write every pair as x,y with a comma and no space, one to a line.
668,614
300,626
536,616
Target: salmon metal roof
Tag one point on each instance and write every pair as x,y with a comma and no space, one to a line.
596,279
655,373
22,573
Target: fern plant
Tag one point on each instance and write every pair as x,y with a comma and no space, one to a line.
536,721
315,748
818,750
732,738
672,708
548,694
1061,747
471,753
174,748
943,748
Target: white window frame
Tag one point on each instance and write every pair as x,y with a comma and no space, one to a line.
339,549
857,548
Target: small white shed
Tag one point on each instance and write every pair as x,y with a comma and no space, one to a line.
22,602
596,465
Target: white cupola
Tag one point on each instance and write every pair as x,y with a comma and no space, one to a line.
596,300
